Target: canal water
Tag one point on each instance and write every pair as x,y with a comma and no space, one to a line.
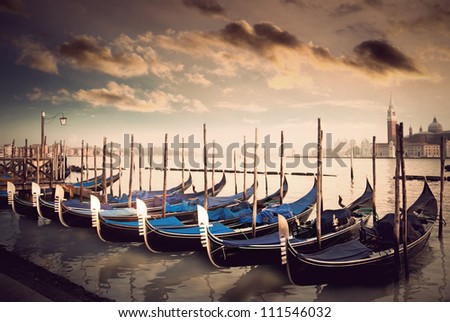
129,272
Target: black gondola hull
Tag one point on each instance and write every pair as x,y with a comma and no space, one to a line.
25,207
303,271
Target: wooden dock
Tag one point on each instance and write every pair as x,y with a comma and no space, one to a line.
22,171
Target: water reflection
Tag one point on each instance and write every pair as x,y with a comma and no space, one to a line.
257,283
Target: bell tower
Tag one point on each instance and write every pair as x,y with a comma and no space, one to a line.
391,123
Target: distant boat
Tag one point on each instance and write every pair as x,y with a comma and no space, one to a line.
370,257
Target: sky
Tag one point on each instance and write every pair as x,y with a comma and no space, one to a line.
150,67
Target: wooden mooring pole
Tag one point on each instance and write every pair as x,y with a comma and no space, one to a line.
245,170
441,190
235,176
281,167
351,165
141,164
111,181
319,185
130,186
82,170
105,196
87,161
166,155
374,179
404,203
182,166
255,184
266,183
212,168
150,160
205,168
95,168
120,172
397,208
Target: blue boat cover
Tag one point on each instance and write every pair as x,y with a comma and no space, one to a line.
177,203
216,228
351,250
163,222
242,209
122,223
167,221
270,214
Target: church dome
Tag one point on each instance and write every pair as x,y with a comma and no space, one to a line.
435,126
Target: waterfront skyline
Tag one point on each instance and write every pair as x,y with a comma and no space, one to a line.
155,67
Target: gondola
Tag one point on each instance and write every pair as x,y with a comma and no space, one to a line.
170,234
93,184
26,206
266,249
114,230
370,256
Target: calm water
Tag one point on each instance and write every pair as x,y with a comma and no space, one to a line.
129,272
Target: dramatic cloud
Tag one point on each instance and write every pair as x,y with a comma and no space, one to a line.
280,57
35,55
126,98
88,53
14,7
380,57
207,7
262,38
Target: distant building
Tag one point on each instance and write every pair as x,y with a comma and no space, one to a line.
424,144
387,150
366,149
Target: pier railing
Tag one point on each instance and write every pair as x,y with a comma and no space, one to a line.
23,171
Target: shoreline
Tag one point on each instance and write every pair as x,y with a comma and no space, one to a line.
51,286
